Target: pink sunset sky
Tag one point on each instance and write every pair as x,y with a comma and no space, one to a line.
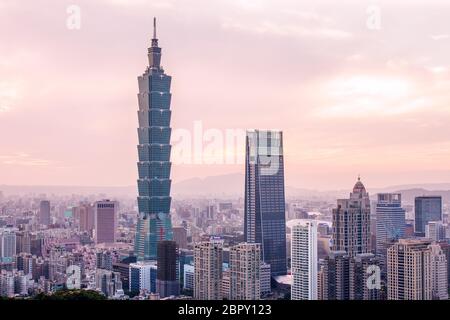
350,99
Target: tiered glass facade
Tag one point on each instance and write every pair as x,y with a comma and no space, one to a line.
154,222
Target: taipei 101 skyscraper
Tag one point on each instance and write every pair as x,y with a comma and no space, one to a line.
154,221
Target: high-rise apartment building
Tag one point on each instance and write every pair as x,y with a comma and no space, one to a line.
390,220
426,209
226,284
365,277
439,273
436,230
265,279
409,266
154,221
245,264
304,260
445,246
265,221
351,222
343,277
208,257
335,273
105,221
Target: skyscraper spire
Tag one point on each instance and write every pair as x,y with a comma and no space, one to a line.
154,52
154,39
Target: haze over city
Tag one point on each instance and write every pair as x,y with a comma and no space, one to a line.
350,99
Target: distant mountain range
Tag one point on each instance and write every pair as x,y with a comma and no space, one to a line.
229,185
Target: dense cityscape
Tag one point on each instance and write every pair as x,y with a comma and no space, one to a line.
261,245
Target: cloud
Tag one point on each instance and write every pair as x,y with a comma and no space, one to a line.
162,4
4,108
23,159
287,30
363,96
440,36
438,69
8,94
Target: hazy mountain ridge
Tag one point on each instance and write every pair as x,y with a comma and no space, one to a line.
229,185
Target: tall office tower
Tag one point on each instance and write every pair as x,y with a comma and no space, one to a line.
436,230
351,222
245,264
167,283
142,277
364,282
265,221
390,220
108,282
208,257
409,270
336,276
426,209
44,213
154,222
439,273
105,221
304,261
265,279
7,244
180,236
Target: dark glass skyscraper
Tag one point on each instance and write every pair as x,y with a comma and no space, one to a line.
427,208
166,280
154,222
265,221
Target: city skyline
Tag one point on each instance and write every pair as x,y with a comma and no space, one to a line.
296,98
327,74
